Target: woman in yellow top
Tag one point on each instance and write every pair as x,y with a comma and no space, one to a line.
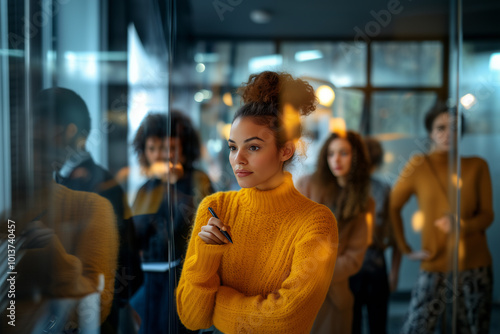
275,275
342,182
427,177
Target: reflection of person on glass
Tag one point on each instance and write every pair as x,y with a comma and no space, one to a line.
70,239
341,182
275,276
427,177
78,171
168,159
371,286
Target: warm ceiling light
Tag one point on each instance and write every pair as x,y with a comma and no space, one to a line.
227,99
388,157
325,95
225,130
337,125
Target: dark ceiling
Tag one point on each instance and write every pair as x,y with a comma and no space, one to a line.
319,19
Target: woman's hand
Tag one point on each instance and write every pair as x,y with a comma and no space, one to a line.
418,255
211,233
444,224
166,171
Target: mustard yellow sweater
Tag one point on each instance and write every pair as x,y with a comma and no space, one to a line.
476,212
275,276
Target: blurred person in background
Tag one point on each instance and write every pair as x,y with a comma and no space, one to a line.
371,286
78,171
427,177
67,241
342,182
168,150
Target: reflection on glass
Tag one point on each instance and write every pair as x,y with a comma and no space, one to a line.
163,211
119,64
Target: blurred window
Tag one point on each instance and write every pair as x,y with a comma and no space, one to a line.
480,87
407,64
341,63
400,113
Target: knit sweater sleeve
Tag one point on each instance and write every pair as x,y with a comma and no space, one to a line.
483,217
351,259
293,307
200,281
401,193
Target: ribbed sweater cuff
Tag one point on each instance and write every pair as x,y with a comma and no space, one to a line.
208,257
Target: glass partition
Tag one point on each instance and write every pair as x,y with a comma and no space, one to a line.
115,120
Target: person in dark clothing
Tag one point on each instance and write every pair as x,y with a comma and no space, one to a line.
76,170
371,286
163,211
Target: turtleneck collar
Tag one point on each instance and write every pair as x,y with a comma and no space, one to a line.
270,200
440,156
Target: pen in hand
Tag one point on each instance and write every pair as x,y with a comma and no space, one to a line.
223,232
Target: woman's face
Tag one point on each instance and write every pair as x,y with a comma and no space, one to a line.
339,157
156,150
163,150
253,155
441,134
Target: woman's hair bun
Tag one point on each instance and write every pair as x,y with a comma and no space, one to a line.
278,89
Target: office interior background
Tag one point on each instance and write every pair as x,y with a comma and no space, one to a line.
377,67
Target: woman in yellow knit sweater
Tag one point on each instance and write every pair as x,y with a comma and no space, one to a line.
275,275
342,182
427,177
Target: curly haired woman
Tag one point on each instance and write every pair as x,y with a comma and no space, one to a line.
275,276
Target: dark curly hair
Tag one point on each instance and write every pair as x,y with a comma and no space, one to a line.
266,95
351,200
156,125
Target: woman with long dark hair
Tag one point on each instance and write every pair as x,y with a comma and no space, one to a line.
342,183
